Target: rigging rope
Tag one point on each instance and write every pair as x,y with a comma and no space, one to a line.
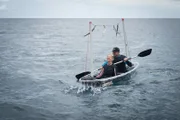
117,32
116,29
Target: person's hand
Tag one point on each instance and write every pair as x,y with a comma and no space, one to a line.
125,59
114,65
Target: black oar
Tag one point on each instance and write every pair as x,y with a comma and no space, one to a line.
82,75
141,54
145,53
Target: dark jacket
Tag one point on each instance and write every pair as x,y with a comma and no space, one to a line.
108,71
121,68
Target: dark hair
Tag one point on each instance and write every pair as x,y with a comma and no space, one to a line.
116,49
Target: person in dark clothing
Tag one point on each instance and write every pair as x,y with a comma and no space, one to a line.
107,70
121,67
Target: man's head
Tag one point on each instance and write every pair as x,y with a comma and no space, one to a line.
116,51
110,58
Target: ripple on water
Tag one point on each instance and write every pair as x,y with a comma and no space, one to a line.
2,32
114,105
18,108
175,79
19,112
155,82
163,70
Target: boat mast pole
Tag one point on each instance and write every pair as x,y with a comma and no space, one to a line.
91,50
125,39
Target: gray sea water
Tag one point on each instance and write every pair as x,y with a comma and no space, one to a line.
40,57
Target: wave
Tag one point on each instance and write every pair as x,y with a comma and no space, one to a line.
84,90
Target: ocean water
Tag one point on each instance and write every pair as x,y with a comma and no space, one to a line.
40,57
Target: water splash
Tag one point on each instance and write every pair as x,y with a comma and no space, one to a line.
84,90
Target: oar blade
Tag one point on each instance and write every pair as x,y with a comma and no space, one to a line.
145,53
82,75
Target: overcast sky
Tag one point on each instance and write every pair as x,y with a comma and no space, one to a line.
90,8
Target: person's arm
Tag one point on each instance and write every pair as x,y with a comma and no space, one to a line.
128,62
105,63
100,74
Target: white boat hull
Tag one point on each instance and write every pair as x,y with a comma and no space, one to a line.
113,79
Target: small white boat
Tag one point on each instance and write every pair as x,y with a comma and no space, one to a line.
85,77
110,80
